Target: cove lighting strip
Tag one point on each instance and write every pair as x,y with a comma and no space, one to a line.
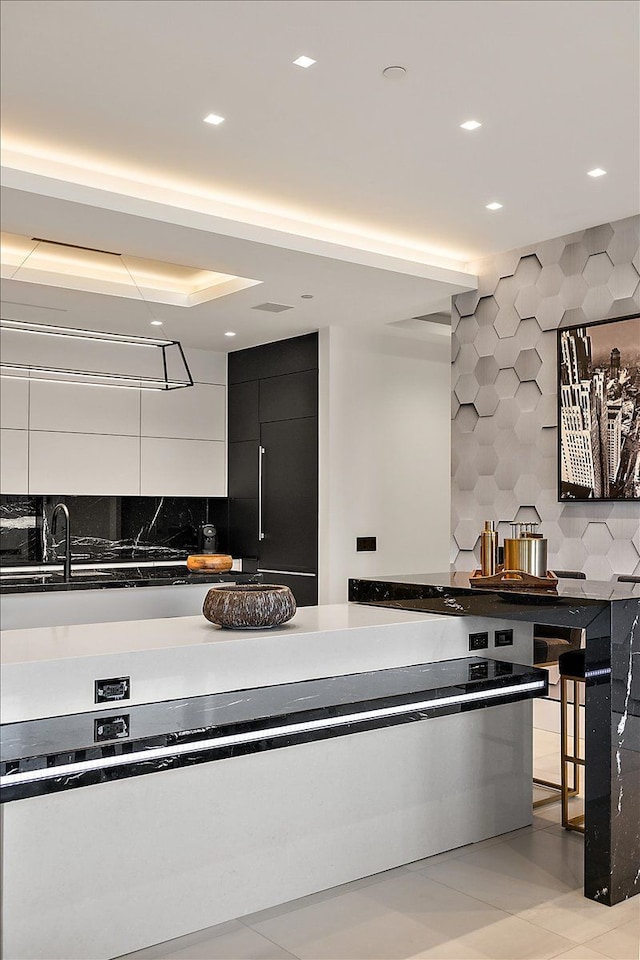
199,746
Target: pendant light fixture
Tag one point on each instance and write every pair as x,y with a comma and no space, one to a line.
141,363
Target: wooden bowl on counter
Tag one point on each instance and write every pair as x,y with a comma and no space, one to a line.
243,606
209,563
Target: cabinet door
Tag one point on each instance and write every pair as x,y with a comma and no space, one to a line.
289,397
303,588
274,359
243,469
243,411
290,495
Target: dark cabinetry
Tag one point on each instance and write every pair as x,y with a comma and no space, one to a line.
273,461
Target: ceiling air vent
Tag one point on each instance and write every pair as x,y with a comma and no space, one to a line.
272,307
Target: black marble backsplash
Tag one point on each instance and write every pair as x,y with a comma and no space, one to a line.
108,529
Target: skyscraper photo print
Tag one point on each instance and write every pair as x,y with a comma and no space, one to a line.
599,410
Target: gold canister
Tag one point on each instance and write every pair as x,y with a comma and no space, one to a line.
488,549
527,554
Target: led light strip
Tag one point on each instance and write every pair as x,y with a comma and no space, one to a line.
87,378
597,672
67,769
46,329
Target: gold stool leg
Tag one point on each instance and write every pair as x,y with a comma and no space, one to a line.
570,759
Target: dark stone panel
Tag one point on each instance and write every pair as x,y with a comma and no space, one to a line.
109,528
108,577
39,756
20,529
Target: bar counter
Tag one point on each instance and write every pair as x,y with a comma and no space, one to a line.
609,613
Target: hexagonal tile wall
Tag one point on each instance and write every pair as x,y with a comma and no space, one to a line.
527,364
504,383
574,259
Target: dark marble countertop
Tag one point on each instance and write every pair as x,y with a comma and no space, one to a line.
83,578
60,753
597,590
571,602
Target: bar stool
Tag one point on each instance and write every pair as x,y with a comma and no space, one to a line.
547,649
572,667
549,643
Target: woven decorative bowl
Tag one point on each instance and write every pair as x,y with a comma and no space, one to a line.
256,605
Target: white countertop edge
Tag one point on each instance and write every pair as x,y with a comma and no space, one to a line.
38,644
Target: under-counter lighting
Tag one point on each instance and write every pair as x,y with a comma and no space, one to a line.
494,205
470,125
282,730
304,62
596,172
214,119
229,333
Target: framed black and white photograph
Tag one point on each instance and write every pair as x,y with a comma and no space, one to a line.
599,410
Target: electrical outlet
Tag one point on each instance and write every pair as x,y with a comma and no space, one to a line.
504,638
117,688
111,728
478,641
478,671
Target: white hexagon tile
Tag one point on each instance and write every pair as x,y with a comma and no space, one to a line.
504,409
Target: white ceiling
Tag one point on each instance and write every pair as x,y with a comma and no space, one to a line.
340,160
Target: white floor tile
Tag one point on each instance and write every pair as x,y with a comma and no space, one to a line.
398,918
238,943
579,919
545,743
623,943
581,953
508,939
518,874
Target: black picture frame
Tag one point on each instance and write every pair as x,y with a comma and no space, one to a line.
615,396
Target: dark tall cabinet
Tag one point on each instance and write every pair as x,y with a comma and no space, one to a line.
273,461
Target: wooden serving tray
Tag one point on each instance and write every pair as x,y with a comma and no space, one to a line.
513,578
209,563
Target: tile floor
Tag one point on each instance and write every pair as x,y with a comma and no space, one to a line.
509,898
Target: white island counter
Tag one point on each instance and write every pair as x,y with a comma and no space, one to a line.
257,767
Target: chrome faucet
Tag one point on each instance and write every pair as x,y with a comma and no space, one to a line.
58,509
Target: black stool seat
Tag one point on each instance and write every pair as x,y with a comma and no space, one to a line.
572,664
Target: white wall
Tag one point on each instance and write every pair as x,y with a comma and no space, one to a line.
384,455
78,439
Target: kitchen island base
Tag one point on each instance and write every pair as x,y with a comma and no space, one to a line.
104,870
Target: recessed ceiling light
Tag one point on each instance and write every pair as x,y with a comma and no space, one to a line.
494,206
156,323
470,125
394,72
306,296
597,172
229,333
214,118
304,62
